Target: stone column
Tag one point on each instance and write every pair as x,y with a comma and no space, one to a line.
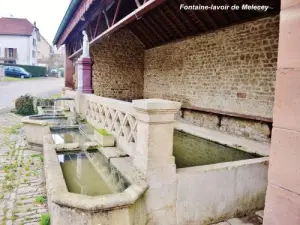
154,157
84,72
283,194
68,65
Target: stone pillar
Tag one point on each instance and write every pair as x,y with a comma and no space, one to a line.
283,194
154,157
68,71
84,73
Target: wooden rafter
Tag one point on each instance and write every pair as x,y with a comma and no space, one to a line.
178,31
181,16
137,2
116,12
106,18
149,27
158,28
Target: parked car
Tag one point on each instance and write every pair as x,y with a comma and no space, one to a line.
15,71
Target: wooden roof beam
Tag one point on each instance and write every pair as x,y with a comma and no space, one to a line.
157,26
178,31
185,18
195,16
145,34
144,21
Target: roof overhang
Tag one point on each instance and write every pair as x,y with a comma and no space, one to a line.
66,19
154,22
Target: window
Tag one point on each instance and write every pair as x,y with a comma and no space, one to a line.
11,52
10,62
33,54
34,42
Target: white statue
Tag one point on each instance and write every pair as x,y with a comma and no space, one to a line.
85,45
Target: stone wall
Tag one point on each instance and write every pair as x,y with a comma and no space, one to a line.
118,66
259,131
232,69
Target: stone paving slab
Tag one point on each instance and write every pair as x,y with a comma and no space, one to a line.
21,175
249,220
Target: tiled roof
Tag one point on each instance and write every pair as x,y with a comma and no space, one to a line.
15,26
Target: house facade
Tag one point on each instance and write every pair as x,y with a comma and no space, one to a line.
45,50
18,41
233,71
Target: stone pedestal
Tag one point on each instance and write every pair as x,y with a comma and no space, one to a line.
154,157
84,73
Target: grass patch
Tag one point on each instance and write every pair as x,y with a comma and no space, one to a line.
8,187
103,132
38,156
40,199
12,130
12,79
10,177
58,95
45,219
9,167
8,79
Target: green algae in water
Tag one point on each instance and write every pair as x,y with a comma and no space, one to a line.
190,150
80,175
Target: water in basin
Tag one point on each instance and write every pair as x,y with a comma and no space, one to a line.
190,150
85,174
67,135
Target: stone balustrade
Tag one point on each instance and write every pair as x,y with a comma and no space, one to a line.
144,130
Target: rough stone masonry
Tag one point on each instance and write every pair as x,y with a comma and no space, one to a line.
232,70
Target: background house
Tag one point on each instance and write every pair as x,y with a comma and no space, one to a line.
45,50
18,41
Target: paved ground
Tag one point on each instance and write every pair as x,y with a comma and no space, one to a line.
43,87
21,176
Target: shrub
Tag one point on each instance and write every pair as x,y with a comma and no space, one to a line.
24,105
35,71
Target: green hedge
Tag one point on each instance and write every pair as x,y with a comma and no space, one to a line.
36,71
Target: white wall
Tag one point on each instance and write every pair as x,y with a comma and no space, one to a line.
33,60
20,43
212,193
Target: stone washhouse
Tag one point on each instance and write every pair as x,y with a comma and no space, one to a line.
230,77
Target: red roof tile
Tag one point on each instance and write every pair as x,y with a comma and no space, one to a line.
15,26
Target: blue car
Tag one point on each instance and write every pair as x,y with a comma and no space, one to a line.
15,71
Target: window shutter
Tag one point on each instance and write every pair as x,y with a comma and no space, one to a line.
15,52
6,52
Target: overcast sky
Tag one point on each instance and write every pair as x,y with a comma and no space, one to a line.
47,13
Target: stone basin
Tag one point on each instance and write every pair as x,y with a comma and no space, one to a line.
71,175
36,125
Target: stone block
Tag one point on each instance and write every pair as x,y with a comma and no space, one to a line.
286,107
165,216
161,197
208,193
284,169
288,53
289,3
104,140
282,207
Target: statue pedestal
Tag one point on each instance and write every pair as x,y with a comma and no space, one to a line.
84,73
